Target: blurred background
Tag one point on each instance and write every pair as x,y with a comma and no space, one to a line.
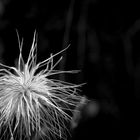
104,45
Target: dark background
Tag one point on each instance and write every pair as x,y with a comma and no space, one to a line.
104,37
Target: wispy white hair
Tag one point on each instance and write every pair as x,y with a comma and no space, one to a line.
31,102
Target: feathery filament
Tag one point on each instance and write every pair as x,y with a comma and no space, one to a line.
33,103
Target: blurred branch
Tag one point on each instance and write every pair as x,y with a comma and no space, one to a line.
69,18
128,55
127,41
82,27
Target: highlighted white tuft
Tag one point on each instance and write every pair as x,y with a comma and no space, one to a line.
33,104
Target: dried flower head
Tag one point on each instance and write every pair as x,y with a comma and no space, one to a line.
32,103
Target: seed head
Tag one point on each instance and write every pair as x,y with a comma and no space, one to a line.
33,103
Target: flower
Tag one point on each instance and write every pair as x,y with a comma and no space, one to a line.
33,103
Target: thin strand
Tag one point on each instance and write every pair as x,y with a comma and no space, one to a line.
31,103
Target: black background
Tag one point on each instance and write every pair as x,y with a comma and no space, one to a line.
104,37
